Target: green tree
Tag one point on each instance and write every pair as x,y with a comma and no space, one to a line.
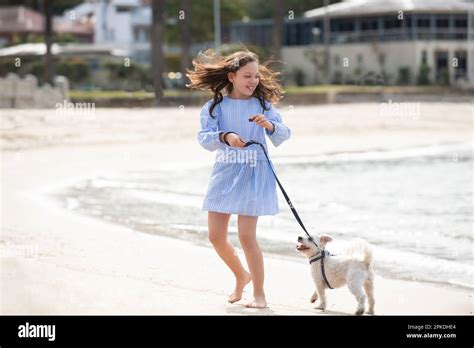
404,75
423,75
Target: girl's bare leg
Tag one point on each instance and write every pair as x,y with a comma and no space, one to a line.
248,239
218,224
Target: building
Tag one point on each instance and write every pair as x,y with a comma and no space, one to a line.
111,19
141,24
18,23
376,41
123,24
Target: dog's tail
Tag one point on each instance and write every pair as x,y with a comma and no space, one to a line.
361,248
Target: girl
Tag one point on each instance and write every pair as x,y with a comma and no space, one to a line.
239,185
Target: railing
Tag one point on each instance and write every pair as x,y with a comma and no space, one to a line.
398,34
303,37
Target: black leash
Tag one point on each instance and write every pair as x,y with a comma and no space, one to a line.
293,210
295,213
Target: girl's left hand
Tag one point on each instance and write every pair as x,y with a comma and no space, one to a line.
261,120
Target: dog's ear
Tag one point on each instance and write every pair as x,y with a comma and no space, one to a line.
324,239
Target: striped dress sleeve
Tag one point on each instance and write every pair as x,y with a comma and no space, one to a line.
281,132
208,136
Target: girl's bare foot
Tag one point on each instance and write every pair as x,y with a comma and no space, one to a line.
258,302
239,287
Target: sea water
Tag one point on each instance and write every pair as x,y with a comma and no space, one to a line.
415,206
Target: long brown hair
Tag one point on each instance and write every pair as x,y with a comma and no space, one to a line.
210,74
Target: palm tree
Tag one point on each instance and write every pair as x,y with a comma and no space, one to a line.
185,24
48,40
157,58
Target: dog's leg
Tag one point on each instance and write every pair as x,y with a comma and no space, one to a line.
314,297
369,290
355,287
322,296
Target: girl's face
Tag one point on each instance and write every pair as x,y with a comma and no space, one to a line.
245,80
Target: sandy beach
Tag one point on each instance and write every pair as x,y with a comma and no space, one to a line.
83,265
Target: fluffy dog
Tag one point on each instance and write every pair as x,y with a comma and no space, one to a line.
340,270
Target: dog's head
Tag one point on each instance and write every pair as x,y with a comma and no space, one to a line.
306,245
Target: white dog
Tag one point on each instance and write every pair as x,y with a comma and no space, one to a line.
340,270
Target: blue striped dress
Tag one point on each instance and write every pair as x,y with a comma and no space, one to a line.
241,181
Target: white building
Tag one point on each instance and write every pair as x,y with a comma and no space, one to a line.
111,19
123,24
140,25
383,40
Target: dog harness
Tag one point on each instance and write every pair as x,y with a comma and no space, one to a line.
321,257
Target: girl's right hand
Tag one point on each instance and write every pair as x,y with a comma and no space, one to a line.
234,140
